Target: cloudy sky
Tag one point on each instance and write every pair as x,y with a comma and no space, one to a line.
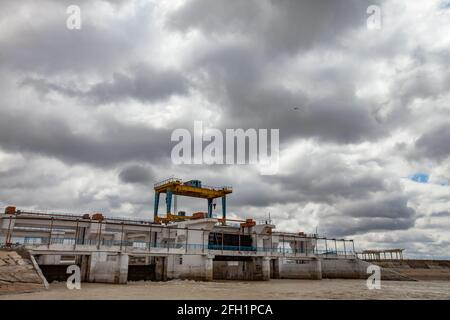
364,115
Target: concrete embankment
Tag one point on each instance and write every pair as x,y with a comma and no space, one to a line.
419,269
357,269
19,272
337,268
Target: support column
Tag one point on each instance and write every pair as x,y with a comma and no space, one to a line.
209,267
121,237
85,268
210,208
156,207
265,268
277,265
76,235
161,268
168,201
122,276
96,273
224,209
103,270
316,272
49,236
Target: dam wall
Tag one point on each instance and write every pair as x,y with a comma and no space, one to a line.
108,268
209,267
418,269
344,269
356,269
119,268
299,269
251,269
114,250
192,267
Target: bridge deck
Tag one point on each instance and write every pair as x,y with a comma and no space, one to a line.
80,249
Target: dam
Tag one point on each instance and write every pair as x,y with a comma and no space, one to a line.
177,246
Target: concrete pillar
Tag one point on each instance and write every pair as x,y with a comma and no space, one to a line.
275,268
104,270
161,264
316,272
122,277
96,258
84,268
265,268
209,267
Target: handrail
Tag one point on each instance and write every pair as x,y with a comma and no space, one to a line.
44,241
217,188
163,182
79,216
177,180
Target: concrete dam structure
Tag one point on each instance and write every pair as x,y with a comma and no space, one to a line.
197,247
116,251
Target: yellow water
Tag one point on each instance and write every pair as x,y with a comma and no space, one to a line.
273,289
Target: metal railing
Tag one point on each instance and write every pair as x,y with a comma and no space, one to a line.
73,216
45,213
189,247
177,180
217,188
169,180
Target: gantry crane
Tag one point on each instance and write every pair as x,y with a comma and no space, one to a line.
191,188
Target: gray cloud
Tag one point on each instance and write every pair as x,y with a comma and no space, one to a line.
385,214
54,137
327,179
145,84
282,26
238,75
434,144
46,46
136,174
441,214
391,207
